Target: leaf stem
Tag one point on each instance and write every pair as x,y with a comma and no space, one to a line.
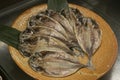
58,5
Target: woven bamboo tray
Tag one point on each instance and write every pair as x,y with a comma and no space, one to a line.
103,59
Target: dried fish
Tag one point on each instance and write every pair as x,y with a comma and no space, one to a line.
55,64
54,41
45,38
89,36
63,21
73,16
52,25
52,44
47,21
27,42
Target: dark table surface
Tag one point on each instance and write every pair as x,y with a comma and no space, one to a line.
110,8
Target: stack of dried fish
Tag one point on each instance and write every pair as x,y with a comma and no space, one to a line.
53,41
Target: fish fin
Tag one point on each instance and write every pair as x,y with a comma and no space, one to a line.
90,64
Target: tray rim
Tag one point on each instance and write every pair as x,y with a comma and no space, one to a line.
115,44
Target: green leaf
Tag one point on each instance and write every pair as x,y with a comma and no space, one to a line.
9,35
58,5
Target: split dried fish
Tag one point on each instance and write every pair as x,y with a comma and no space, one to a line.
44,39
27,42
89,36
55,64
54,41
73,17
44,20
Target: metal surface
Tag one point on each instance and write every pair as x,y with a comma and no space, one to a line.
108,9
1,78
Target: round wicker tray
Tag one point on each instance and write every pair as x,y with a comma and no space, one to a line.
103,59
